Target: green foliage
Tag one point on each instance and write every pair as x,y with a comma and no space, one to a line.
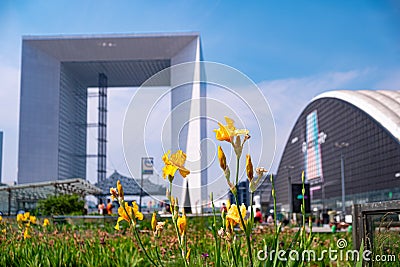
98,244
62,205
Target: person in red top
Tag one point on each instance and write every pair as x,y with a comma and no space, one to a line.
101,207
223,208
109,207
258,216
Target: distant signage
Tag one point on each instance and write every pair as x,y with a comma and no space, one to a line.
297,198
147,166
312,148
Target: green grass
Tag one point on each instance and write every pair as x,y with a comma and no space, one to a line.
101,245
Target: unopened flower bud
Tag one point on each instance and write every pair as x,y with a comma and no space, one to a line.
113,193
120,190
154,222
249,168
221,232
222,158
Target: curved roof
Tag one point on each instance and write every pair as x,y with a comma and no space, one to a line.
131,185
382,105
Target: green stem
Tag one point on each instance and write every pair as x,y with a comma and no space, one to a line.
234,256
276,226
240,215
158,252
303,211
275,215
251,211
185,251
215,233
172,209
133,223
237,171
176,226
142,246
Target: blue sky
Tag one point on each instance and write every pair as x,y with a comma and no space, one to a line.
292,50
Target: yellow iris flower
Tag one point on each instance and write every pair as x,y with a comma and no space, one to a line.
129,214
174,163
26,218
233,217
228,132
32,219
1,218
229,226
20,217
188,255
228,204
46,222
26,233
182,224
154,222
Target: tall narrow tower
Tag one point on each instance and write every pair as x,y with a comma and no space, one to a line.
1,156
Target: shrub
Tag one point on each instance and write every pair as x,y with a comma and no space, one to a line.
62,204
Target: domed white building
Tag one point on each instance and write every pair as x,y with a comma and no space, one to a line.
349,135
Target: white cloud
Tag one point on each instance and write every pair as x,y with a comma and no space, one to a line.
288,97
391,81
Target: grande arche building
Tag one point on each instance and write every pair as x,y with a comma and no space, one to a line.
56,72
360,127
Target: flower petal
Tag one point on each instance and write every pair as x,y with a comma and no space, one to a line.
178,158
139,215
165,157
222,134
184,172
169,169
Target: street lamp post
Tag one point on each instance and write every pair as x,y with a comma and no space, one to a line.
341,146
288,168
141,187
324,185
